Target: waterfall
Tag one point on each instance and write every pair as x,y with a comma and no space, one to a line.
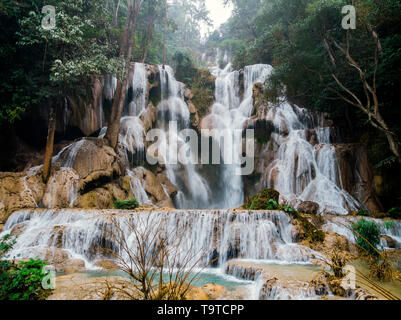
229,113
217,235
302,171
173,115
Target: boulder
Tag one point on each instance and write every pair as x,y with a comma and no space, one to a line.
149,117
389,242
107,265
309,207
194,117
93,160
154,187
19,191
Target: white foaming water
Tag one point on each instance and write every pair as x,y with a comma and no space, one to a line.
137,188
195,192
217,235
230,114
110,86
300,170
139,87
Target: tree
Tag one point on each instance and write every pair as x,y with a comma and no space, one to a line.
348,73
73,52
151,255
152,11
126,47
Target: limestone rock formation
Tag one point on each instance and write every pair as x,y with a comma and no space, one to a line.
18,191
93,161
357,176
309,207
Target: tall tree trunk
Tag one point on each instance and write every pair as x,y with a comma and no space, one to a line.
394,146
116,14
148,38
164,37
49,144
113,129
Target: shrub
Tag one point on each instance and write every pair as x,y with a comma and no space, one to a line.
368,235
363,213
395,213
23,280
126,205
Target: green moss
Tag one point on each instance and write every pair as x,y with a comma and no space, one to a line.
262,200
203,86
126,205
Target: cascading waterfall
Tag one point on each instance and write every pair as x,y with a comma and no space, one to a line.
230,114
174,116
217,235
300,170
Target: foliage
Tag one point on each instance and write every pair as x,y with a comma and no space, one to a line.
126,205
23,280
295,37
363,213
368,236
388,224
184,66
395,213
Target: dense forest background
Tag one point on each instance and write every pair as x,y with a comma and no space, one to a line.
351,74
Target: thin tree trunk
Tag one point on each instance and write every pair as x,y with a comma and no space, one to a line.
113,129
49,145
394,146
116,14
164,38
148,37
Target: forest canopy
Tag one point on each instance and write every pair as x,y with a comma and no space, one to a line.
352,74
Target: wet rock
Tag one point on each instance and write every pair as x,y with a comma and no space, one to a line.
213,291
72,266
18,229
193,114
100,198
108,265
62,189
308,207
149,117
389,241
188,94
357,176
153,187
80,286
19,191
94,162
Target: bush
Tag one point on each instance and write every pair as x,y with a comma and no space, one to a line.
363,213
126,205
395,213
23,280
368,237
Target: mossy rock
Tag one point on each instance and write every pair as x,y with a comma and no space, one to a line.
260,201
